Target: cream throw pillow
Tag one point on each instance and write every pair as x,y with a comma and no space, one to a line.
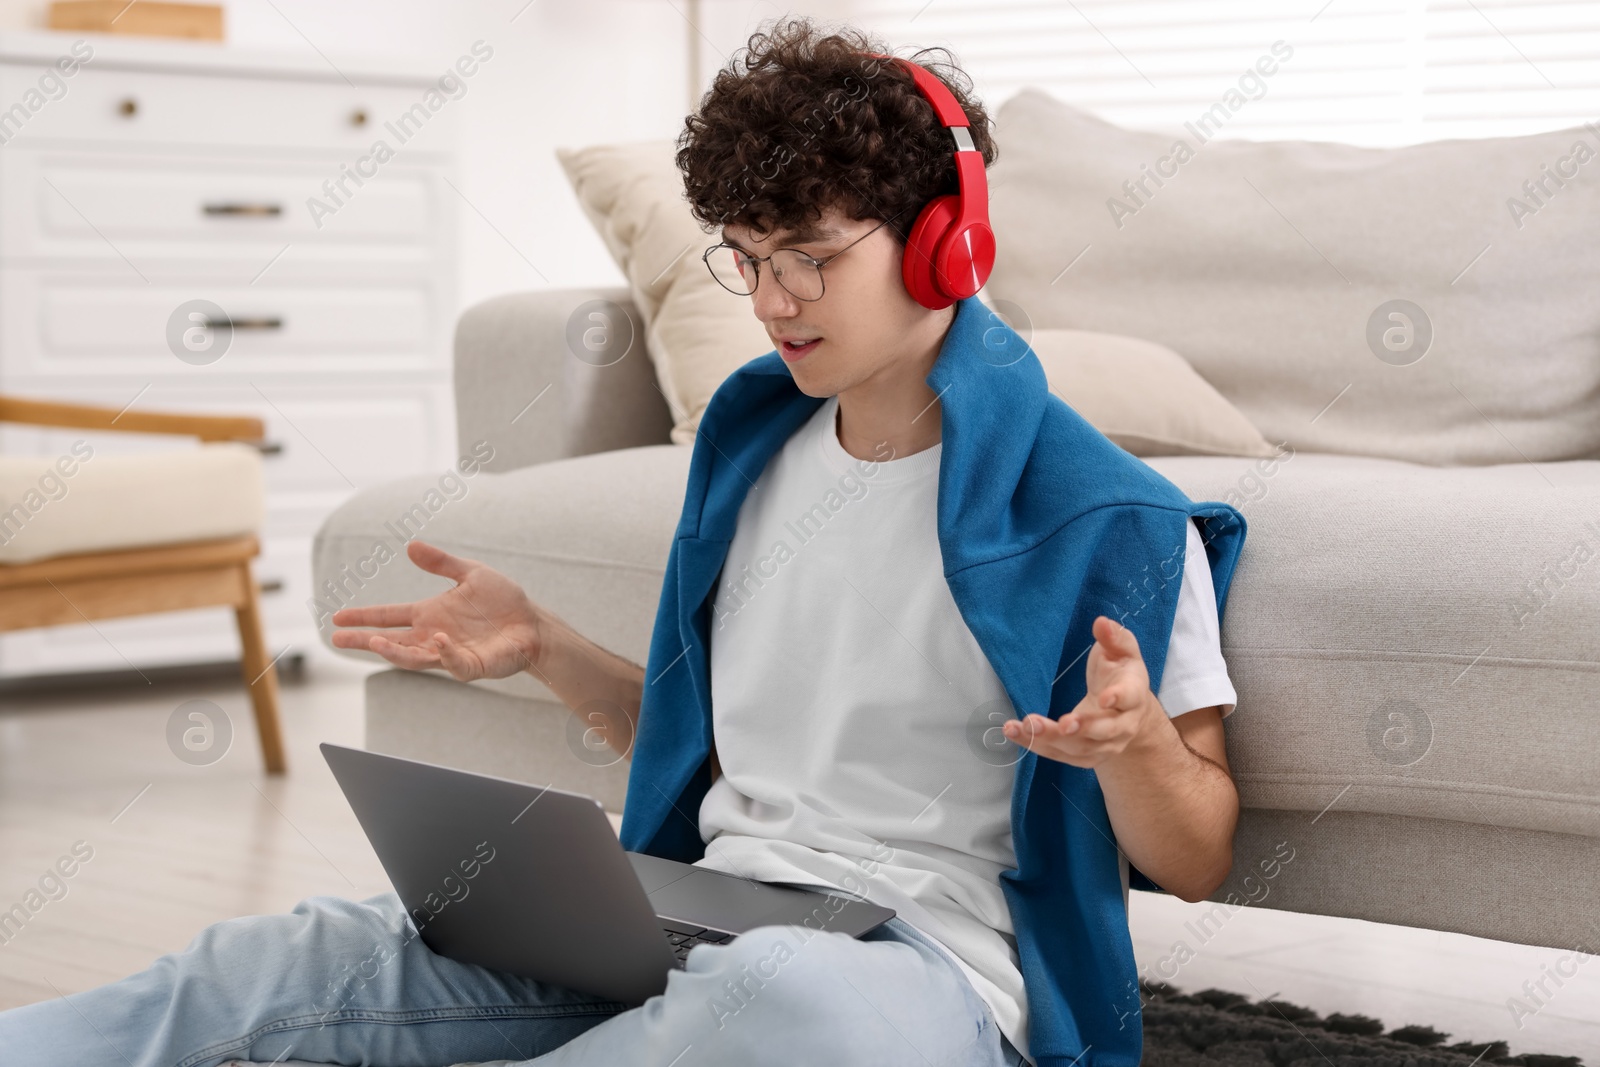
1143,396
697,332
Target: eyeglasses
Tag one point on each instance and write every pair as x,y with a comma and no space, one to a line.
799,274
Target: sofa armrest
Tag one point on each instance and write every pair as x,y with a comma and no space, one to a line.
513,348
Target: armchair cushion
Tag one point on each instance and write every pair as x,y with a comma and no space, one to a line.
81,501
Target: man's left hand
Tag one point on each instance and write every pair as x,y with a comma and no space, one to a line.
1117,713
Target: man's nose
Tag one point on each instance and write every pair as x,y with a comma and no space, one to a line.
772,301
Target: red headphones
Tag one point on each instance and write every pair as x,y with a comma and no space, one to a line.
950,249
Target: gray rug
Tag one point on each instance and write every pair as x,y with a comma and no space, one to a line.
1213,1028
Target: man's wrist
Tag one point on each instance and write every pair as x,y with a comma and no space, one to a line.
576,670
552,643
1154,740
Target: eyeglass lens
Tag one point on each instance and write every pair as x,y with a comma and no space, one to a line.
793,269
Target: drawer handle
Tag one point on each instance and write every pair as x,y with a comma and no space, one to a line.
270,585
268,448
265,323
255,211
358,117
128,107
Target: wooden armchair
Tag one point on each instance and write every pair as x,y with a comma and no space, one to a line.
86,586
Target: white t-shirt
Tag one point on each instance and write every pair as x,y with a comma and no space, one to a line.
855,715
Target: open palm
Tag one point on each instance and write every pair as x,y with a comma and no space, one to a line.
1117,706
484,627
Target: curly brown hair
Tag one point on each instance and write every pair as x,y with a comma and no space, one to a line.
811,122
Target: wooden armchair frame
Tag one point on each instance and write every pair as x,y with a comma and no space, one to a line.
194,574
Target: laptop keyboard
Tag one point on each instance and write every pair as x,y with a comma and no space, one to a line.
684,936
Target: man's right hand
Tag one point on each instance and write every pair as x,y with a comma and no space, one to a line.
485,627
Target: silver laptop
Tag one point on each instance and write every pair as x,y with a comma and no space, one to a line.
533,881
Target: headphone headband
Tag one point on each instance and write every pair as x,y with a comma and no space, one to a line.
951,246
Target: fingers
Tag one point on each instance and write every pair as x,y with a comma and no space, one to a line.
429,558
1116,698
1034,729
1051,738
351,638
375,615
1117,638
414,657
1101,727
1045,735
411,657
1111,713
437,561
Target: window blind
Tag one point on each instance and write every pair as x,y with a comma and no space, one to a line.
1374,72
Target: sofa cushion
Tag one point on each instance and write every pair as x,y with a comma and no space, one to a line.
1143,396
1271,266
1408,640
1404,640
87,502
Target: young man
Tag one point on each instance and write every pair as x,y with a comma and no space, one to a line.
894,543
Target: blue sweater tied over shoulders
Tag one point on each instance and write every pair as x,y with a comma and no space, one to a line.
1044,524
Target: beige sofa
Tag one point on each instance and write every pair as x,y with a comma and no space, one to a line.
1414,627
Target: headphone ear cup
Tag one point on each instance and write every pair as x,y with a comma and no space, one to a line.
964,260
919,264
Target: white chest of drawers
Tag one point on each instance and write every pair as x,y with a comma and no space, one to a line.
162,173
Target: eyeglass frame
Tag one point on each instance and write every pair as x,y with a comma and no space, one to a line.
815,262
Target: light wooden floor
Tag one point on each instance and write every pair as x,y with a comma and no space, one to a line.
177,847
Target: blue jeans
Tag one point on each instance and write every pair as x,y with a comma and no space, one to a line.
346,982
